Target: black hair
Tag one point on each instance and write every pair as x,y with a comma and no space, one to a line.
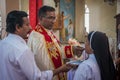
100,46
42,11
14,18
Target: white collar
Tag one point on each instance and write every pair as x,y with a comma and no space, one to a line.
15,36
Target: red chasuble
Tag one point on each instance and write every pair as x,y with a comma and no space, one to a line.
53,50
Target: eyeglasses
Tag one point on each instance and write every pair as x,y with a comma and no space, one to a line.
50,18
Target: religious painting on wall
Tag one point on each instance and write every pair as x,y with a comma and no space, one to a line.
67,16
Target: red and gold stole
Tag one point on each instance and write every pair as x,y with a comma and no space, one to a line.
68,51
53,50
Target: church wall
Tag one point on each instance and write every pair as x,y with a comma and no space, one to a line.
24,5
102,17
118,6
12,5
79,20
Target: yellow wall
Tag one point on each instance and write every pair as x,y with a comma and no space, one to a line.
12,5
102,17
79,20
24,5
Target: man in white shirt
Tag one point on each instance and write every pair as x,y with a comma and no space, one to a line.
16,59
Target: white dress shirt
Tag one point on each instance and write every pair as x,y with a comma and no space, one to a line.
17,61
88,70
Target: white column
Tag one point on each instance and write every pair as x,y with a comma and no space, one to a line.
118,6
3,15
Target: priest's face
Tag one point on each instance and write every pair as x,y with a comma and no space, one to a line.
48,20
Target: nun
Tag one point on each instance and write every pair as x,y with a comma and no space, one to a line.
99,65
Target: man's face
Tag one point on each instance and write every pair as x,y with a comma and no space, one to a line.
49,20
25,29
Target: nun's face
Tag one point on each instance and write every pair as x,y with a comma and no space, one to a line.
87,47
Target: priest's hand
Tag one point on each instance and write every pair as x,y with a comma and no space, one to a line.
77,50
64,68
